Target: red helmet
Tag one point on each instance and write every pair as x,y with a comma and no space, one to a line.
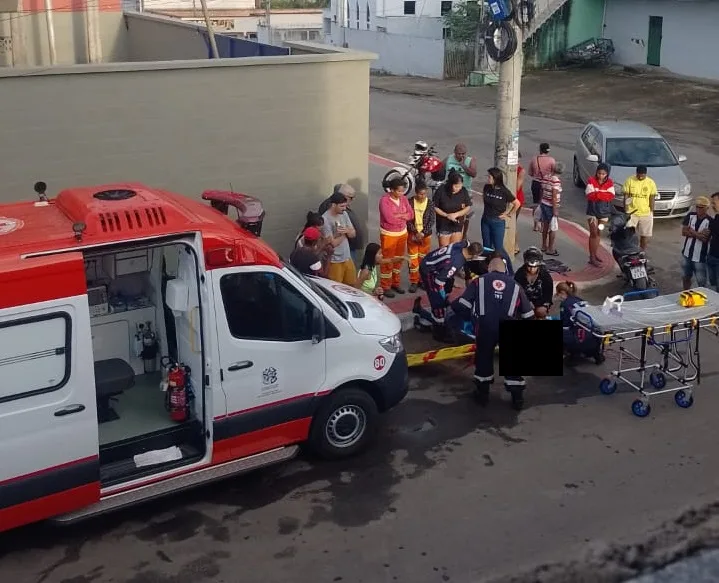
431,164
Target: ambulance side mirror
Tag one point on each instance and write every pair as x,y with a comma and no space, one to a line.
318,326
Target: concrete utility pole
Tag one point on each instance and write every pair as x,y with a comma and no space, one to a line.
210,32
92,27
19,40
268,20
506,143
50,32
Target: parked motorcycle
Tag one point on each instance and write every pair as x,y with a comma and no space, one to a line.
629,256
423,163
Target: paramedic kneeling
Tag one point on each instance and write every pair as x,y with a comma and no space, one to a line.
491,299
437,271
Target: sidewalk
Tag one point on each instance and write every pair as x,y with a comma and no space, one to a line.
571,245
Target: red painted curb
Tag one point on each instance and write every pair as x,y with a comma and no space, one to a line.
573,231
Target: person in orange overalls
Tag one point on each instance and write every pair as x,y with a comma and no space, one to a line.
419,231
394,213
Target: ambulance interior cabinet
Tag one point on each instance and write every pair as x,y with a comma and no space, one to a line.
119,264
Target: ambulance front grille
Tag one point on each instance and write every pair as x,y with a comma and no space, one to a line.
132,220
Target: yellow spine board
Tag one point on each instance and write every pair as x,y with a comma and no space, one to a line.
449,353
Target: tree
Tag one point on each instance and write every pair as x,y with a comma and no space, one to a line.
464,19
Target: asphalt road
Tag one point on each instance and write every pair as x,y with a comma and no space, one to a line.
451,493
398,120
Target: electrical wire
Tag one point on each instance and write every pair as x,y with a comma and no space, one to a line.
496,52
108,6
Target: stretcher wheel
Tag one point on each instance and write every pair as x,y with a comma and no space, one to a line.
640,408
608,386
658,380
684,399
599,358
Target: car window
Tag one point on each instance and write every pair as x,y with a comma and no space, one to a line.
632,152
586,137
264,306
599,145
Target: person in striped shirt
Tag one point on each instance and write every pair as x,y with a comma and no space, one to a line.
696,230
549,207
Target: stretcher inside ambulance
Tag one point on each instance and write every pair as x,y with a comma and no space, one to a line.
149,344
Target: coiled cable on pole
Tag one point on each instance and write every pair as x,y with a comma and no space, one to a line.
496,33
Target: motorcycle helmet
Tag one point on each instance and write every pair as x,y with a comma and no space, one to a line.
421,147
533,257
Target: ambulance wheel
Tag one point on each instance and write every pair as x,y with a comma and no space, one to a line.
658,380
345,424
608,386
683,399
641,408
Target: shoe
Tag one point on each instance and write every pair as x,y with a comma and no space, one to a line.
413,288
398,290
388,293
439,332
417,306
517,400
481,393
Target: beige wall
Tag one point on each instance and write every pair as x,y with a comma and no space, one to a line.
70,37
282,128
160,38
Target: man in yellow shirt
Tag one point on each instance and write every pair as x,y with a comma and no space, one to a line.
640,192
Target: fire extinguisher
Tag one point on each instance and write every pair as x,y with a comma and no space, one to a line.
176,392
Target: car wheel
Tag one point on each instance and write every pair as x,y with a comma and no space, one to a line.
575,175
344,425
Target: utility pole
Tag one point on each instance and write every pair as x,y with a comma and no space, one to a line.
50,32
19,40
210,32
506,143
268,20
92,28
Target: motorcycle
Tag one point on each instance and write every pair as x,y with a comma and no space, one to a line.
423,163
629,256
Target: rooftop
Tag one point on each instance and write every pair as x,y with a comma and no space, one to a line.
114,213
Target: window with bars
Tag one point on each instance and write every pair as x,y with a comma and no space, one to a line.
410,7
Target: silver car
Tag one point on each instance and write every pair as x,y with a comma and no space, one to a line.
624,145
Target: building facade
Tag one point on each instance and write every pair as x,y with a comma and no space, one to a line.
679,35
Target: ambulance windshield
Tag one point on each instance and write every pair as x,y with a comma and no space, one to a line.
331,300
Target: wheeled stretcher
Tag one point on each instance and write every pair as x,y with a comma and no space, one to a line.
658,327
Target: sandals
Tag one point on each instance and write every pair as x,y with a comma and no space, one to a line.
552,253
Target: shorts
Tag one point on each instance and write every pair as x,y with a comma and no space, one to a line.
547,212
696,269
599,210
643,225
536,191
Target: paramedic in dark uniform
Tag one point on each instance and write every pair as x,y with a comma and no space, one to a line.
491,299
437,271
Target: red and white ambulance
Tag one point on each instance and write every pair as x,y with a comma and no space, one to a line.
149,344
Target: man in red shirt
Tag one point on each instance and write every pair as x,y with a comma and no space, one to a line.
600,196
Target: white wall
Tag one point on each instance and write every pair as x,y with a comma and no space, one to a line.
689,43
190,5
398,54
389,14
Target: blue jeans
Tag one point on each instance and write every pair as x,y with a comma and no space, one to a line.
713,271
493,233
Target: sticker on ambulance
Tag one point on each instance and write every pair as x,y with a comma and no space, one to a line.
347,290
8,225
379,362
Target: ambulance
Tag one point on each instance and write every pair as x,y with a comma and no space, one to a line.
149,344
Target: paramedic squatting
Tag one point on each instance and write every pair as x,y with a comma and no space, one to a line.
437,272
489,300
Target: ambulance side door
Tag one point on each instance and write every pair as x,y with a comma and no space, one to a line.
48,418
272,365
